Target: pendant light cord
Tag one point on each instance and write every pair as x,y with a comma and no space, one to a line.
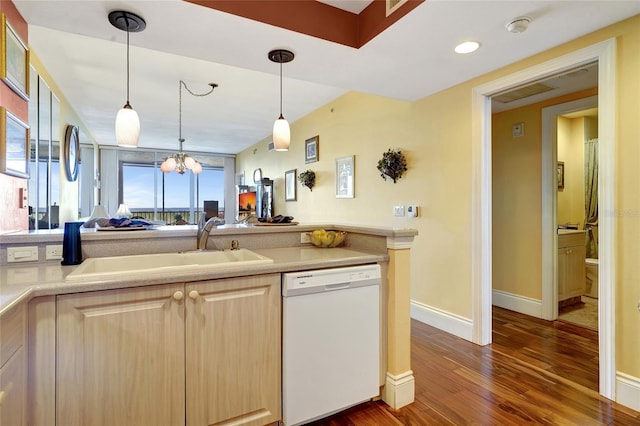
126,19
281,116
182,83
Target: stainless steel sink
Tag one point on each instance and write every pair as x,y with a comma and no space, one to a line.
160,263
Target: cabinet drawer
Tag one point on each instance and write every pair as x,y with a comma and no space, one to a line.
572,239
12,332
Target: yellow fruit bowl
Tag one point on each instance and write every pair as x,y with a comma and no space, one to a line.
327,239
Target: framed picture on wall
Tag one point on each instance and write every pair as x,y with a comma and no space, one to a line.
14,145
290,185
345,172
311,149
560,174
14,59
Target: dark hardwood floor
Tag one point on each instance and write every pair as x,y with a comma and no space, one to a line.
534,372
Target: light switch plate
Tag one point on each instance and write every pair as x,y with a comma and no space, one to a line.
22,254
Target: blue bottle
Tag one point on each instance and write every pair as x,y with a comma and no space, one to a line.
72,244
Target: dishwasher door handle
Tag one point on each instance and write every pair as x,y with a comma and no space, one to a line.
339,286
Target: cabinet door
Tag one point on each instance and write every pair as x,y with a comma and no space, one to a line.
571,272
562,274
13,390
120,357
13,366
576,274
233,331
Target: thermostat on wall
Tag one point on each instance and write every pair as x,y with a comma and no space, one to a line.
517,130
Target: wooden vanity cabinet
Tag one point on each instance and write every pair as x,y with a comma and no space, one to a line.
195,354
13,366
571,265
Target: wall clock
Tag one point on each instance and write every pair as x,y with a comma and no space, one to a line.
257,175
71,152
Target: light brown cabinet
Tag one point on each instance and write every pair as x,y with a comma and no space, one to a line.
13,367
195,354
571,265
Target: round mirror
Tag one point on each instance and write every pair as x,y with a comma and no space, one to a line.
257,175
71,152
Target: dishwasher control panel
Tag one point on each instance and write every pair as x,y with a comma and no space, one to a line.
296,283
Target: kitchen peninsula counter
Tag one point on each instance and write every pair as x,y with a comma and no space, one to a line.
40,291
23,281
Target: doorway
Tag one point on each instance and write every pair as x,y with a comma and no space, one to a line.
604,53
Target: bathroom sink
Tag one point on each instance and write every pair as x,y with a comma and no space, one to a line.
98,267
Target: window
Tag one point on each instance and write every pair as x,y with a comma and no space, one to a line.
44,163
168,197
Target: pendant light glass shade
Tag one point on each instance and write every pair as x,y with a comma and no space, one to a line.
281,134
127,127
127,121
281,130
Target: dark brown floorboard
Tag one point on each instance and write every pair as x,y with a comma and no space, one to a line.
535,372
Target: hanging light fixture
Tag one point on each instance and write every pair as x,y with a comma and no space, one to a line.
281,131
127,121
180,161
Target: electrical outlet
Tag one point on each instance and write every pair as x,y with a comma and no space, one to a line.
412,210
398,211
54,252
22,254
304,238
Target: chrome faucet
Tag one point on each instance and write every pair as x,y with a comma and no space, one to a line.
204,228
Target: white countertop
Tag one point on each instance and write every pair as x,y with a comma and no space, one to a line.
23,282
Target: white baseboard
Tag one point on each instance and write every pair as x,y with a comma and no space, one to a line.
513,302
628,391
399,390
445,321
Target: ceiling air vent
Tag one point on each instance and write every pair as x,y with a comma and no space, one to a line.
522,92
393,5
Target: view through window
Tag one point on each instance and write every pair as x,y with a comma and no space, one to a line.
170,197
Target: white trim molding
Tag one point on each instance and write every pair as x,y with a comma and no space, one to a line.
549,210
399,390
628,390
399,243
442,320
515,302
481,246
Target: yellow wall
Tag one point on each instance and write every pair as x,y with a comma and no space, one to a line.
435,133
571,138
517,189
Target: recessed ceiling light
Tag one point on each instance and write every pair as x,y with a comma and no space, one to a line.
467,47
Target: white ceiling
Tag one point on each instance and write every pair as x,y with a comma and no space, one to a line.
412,59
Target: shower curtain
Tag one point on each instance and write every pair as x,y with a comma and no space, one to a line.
591,194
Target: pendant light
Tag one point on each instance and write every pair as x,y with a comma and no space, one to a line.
281,131
181,162
127,121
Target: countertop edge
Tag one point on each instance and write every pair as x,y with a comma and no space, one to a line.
56,235
284,261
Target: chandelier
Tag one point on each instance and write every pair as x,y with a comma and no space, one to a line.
181,162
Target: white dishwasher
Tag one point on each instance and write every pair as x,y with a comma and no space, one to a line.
330,341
